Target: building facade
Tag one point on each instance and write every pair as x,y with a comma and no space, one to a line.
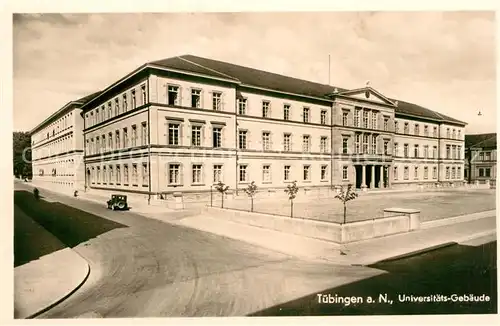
57,149
184,123
481,158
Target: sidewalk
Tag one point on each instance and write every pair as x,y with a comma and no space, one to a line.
359,253
44,282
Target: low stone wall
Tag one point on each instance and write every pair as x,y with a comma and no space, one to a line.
340,233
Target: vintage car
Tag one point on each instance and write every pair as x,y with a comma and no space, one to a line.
118,202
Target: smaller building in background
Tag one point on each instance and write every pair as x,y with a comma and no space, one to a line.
481,158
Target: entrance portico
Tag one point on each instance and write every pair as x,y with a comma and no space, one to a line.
372,176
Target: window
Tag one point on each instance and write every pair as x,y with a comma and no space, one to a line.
323,145
266,173
286,112
125,174
426,151
307,172
217,137
416,173
174,174
345,118
104,175
117,139
118,175
117,106
356,117
453,151
143,93
196,98
481,156
217,173
243,173
173,133
134,174
196,135
396,149
426,172
406,173
242,106
373,148
448,149
125,138
124,101
447,172
134,102
386,147
386,123
447,132
324,172
365,144
481,172
134,136
144,133
406,154
306,145
365,119
406,128
110,141
487,172
459,153
103,142
103,113
416,151
434,172
434,151
454,134
417,130
345,142
196,173
459,134
266,109
305,115
487,156
287,143
217,101
111,174
242,139
110,112
98,174
396,126
345,175
374,120
173,95
357,144
98,144
323,117
266,141
286,172
426,131
459,173
91,122
395,173
453,173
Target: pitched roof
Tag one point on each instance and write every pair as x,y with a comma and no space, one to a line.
481,140
264,79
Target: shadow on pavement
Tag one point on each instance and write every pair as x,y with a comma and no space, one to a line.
459,270
70,225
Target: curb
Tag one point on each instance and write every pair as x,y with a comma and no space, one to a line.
52,305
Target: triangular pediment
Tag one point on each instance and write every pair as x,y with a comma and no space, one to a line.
368,94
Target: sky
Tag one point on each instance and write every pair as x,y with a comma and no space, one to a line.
444,61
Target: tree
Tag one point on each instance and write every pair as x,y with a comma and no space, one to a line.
22,154
251,190
222,188
345,195
292,191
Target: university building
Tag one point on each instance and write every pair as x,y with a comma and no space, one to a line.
57,148
481,158
184,123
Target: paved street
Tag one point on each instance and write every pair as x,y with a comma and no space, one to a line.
459,270
154,269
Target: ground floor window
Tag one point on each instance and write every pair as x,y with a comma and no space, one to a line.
197,170
286,173
453,173
426,172
111,174
118,175
416,173
345,175
145,174
395,173
266,173
406,173
307,172
434,173
243,173
125,174
324,172
447,172
134,174
217,173
174,171
487,172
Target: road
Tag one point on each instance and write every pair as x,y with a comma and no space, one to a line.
155,269
452,272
